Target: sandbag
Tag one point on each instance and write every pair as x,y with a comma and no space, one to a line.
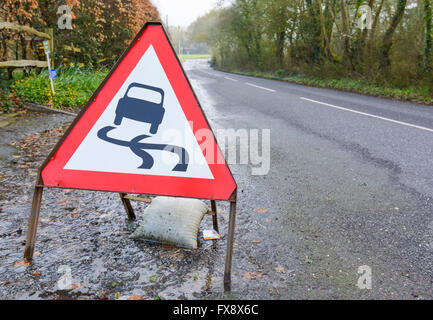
172,220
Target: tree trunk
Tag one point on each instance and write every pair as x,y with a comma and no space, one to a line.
314,31
328,25
428,36
281,37
362,41
376,20
385,48
345,31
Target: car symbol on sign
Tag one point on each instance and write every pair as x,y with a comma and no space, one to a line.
140,109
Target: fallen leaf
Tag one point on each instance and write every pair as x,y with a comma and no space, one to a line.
76,286
256,241
136,297
280,269
260,210
268,220
168,246
37,254
21,263
36,273
274,291
74,214
252,275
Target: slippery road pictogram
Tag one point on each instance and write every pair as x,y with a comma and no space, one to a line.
138,148
148,112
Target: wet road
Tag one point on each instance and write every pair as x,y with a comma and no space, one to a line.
344,190
350,184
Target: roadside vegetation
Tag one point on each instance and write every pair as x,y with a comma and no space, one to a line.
183,57
327,43
100,32
73,87
418,94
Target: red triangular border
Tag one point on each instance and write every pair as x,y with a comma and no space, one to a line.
53,174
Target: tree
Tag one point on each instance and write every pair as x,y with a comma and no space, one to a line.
384,60
323,38
277,19
428,36
101,28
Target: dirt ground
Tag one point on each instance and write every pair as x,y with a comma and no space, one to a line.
87,234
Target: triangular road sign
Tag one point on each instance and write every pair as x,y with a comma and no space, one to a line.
138,133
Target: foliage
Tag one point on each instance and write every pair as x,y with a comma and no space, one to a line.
7,99
323,37
6,102
184,42
73,87
100,28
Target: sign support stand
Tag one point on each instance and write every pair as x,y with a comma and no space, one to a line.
128,207
33,220
230,241
36,207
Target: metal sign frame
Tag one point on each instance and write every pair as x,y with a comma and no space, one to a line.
125,198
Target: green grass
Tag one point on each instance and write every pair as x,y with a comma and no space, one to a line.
183,57
418,94
73,87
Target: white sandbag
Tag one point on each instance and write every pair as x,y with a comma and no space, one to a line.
172,220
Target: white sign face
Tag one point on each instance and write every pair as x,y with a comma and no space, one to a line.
143,130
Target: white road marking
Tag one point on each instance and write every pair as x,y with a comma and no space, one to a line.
253,85
210,74
230,79
369,115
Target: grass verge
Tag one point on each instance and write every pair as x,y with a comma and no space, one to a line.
183,57
73,87
418,94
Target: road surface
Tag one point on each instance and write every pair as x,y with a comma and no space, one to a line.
350,184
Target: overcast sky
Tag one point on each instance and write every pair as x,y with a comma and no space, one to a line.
183,12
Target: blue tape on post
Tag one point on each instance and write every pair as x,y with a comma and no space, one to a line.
53,74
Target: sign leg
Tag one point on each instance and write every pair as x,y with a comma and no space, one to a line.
33,223
215,215
128,207
229,253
